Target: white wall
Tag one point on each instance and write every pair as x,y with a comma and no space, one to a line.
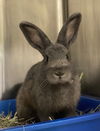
2,78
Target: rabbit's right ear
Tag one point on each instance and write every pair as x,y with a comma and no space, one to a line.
69,31
35,36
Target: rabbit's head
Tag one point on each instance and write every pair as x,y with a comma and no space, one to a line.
56,62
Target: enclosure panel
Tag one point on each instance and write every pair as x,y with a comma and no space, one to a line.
86,50
2,78
19,55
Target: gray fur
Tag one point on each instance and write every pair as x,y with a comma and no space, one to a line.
50,88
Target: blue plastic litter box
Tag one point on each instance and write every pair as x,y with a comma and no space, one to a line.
88,122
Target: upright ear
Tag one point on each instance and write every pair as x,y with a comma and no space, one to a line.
69,30
35,36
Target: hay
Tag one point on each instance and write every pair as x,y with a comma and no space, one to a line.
89,111
8,121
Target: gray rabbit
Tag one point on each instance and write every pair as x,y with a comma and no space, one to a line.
51,88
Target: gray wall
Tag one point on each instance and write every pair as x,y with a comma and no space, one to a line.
86,50
19,55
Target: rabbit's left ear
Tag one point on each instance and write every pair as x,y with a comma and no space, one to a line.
69,30
35,36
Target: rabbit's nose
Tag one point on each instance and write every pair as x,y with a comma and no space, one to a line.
59,74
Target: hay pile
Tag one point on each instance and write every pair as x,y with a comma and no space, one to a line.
9,121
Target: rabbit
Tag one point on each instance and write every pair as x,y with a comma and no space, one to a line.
51,88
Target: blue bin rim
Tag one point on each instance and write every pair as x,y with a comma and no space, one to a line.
59,122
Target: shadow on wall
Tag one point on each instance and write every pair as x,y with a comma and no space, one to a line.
91,87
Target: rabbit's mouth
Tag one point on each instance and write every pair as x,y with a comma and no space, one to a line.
59,79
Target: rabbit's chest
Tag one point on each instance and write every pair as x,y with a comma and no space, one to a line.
55,100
